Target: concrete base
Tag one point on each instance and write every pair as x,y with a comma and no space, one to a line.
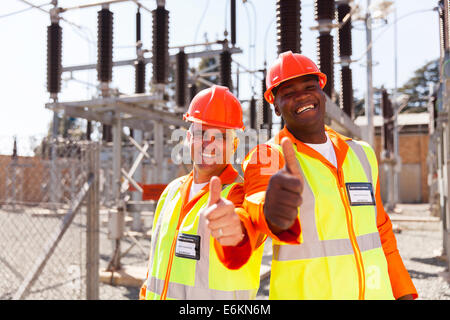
129,276
403,218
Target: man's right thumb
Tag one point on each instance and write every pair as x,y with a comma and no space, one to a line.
291,162
215,187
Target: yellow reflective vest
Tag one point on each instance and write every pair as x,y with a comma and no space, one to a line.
340,254
195,272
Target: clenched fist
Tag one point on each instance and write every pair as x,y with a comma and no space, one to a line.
223,222
283,194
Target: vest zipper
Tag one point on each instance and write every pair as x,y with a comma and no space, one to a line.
351,232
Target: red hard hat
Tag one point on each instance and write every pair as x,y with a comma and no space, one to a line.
288,66
216,106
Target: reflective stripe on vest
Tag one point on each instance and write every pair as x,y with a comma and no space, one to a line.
323,255
180,291
228,284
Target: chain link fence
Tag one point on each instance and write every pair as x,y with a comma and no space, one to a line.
43,221
55,208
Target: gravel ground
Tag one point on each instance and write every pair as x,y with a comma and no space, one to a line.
420,245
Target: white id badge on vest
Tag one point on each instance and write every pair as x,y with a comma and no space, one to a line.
188,246
360,194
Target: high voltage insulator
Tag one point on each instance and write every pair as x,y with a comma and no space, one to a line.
160,57
325,60
233,21
388,122
288,26
138,25
346,97
192,91
344,33
88,130
443,9
181,78
139,65
324,9
105,56
104,45
446,18
266,111
54,66
345,51
139,82
252,113
225,69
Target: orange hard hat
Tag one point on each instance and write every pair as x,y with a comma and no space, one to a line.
288,66
216,106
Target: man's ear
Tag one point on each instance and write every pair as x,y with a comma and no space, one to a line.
188,138
277,109
188,135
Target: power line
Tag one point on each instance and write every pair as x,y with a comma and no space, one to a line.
200,21
23,10
386,27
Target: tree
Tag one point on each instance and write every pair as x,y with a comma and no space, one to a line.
418,86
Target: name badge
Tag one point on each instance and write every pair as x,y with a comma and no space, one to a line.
360,194
188,246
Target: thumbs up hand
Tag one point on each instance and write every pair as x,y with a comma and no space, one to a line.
283,194
223,222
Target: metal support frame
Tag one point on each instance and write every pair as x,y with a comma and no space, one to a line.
93,228
369,106
446,151
172,59
158,131
136,171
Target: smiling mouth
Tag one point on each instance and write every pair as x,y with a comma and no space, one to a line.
208,155
304,108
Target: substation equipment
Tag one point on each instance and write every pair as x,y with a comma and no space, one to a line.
152,115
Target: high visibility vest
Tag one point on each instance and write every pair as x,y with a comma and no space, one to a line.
340,254
191,279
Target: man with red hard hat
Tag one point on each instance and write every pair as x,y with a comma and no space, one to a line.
316,193
199,217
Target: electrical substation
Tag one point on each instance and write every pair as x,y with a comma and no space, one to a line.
130,159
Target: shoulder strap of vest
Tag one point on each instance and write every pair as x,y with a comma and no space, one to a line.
362,156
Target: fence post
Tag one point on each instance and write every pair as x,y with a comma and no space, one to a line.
92,225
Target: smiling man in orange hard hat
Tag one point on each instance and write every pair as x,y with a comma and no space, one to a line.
197,219
317,194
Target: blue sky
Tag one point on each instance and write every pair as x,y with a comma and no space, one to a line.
23,48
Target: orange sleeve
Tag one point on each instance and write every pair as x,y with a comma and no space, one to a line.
143,290
259,165
234,257
400,280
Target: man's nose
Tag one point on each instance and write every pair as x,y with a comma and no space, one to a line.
302,96
207,141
